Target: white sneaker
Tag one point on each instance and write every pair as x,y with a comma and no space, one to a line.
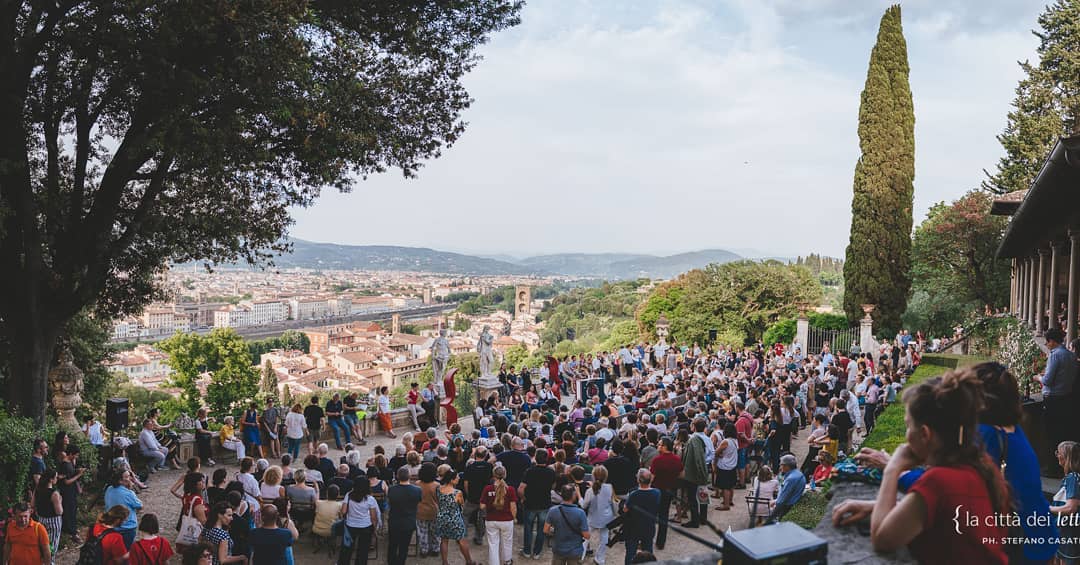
211,462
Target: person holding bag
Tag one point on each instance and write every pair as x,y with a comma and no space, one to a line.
193,511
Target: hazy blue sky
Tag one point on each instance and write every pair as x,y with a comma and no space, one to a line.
671,126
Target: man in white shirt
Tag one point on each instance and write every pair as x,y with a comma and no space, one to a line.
603,431
151,448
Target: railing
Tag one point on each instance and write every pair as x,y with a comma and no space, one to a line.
838,340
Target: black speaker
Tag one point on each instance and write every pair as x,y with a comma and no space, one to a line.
712,335
116,414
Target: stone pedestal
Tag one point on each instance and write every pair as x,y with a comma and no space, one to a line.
866,332
488,384
802,331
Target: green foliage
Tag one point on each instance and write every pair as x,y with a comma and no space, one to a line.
1009,340
220,120
781,332
743,298
889,428
223,353
461,323
17,435
955,269
88,338
268,384
810,508
878,258
289,339
592,313
519,356
827,321
1047,103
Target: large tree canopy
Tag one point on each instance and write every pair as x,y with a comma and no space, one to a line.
136,132
741,299
1047,103
879,251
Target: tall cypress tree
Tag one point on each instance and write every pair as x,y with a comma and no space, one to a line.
876,270
1047,103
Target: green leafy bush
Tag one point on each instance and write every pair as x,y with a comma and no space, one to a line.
16,445
780,332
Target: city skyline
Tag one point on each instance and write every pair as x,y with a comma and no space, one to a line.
589,121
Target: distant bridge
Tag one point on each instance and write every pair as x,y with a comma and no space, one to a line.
276,329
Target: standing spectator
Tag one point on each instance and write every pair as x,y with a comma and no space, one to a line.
92,429
313,415
641,507
68,484
568,527
499,503
413,404
695,460
361,514
600,508
270,542
403,500
1067,500
873,394
476,478
151,549
1058,383
666,468
294,430
269,423
192,501
744,428
120,494
203,435
26,541
516,460
620,468
249,427
383,405
216,535
727,459
37,465
535,491
106,530
49,507
335,418
228,439
431,403
151,449
427,511
450,522
352,419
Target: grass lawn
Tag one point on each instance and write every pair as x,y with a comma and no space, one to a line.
810,508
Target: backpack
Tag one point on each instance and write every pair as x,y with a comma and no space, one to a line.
91,552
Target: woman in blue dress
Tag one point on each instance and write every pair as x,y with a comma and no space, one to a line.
251,429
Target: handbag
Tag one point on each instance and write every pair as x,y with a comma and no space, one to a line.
190,528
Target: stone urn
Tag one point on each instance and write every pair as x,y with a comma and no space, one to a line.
868,309
66,385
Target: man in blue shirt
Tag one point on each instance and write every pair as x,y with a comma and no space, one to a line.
120,494
641,507
269,543
791,489
568,528
1057,389
516,461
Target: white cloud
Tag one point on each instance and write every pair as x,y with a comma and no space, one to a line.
678,126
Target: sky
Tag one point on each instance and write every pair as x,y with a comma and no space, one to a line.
670,126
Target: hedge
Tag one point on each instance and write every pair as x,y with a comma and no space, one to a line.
952,361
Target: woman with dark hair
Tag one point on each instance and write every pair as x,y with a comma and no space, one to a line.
151,549
49,507
450,521
192,501
362,518
942,418
427,510
217,536
70,488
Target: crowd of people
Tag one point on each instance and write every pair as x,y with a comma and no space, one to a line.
585,453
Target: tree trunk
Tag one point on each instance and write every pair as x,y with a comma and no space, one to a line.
33,342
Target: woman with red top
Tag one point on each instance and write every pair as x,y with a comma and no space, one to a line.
824,469
151,549
113,549
942,435
499,504
414,404
193,501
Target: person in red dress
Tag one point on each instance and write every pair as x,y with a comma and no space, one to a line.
942,435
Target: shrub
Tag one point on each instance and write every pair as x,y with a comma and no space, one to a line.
780,332
16,445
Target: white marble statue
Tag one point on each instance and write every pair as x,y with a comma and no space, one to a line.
485,346
440,356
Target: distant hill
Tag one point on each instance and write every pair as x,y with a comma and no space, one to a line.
613,266
312,255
